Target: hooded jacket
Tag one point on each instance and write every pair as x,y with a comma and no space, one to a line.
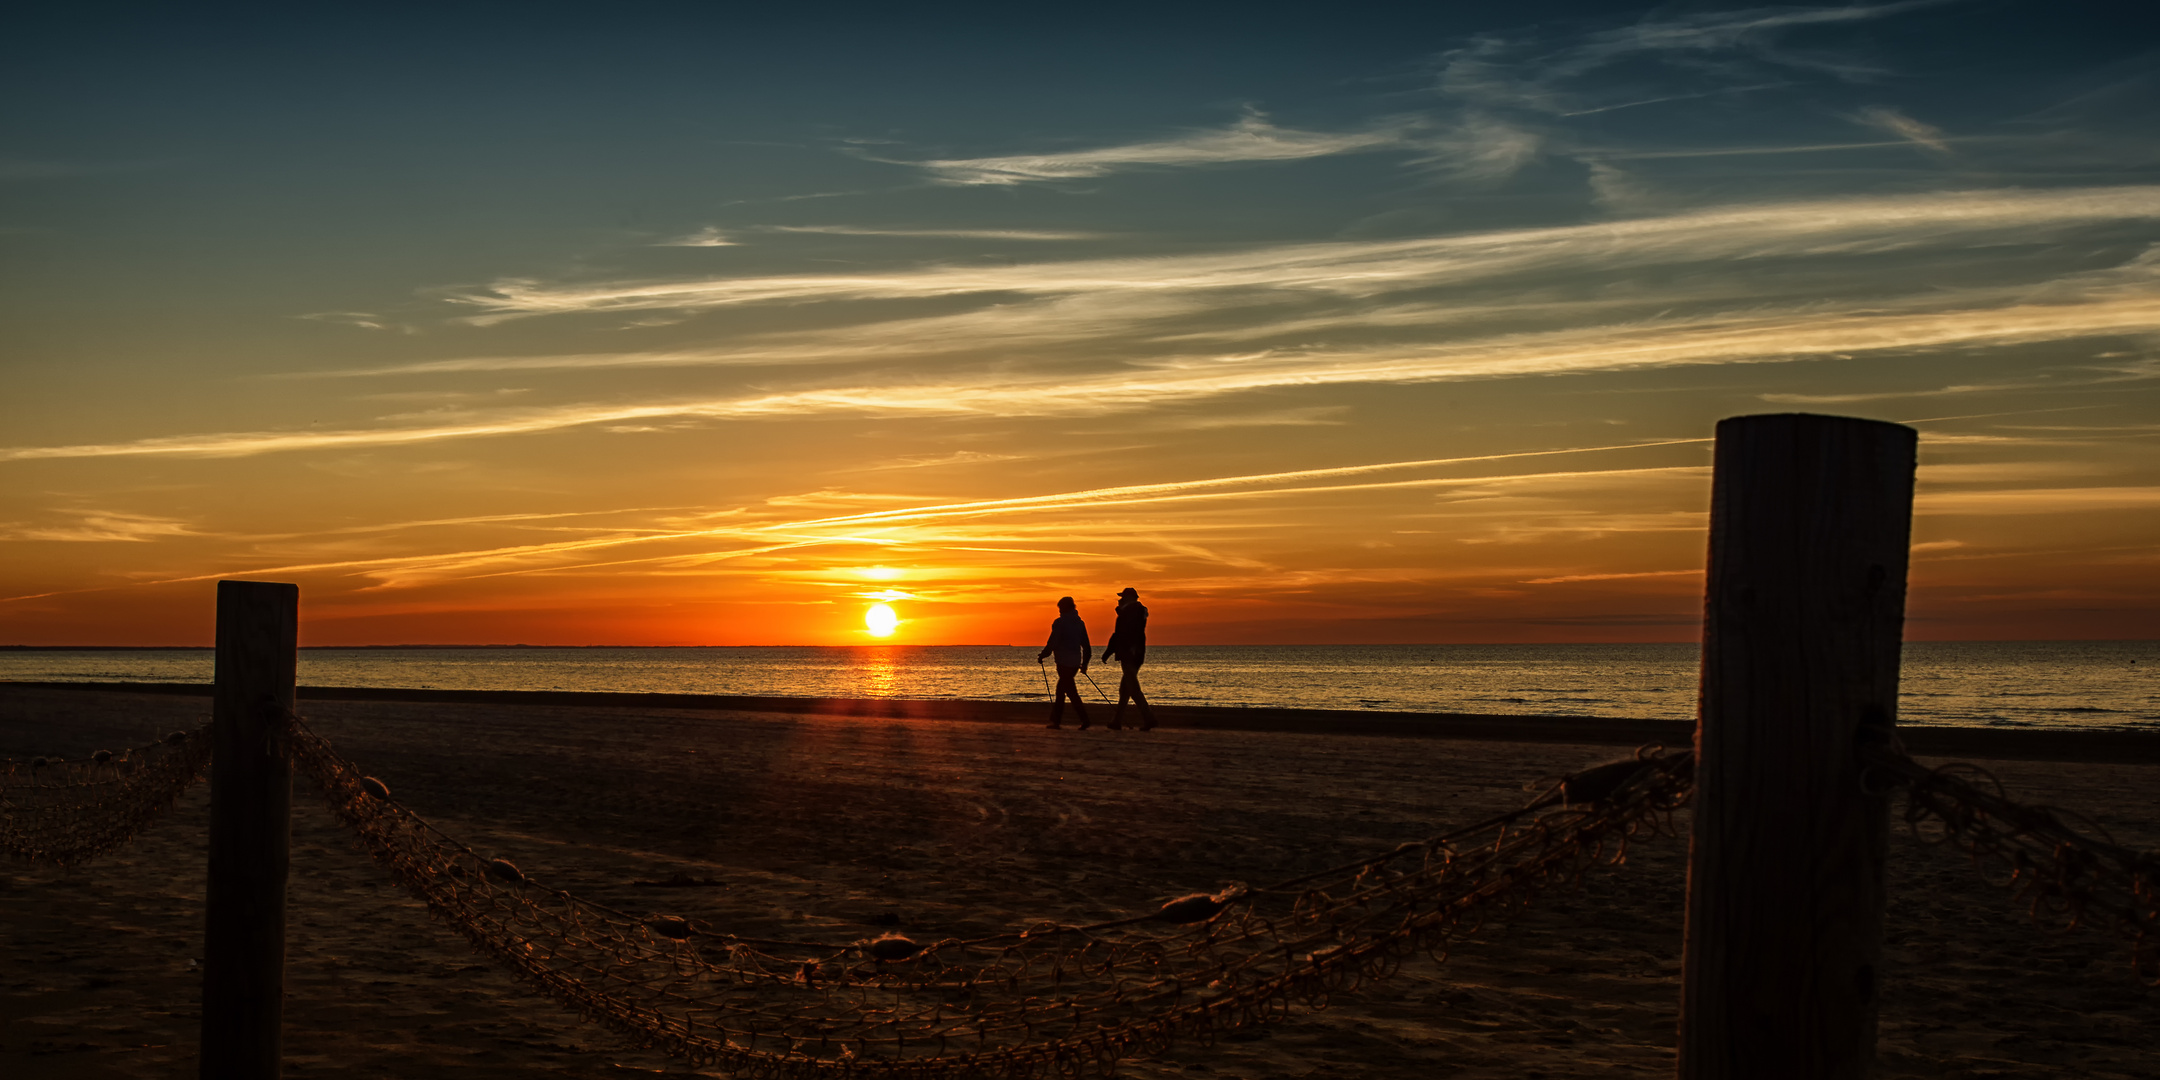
1069,641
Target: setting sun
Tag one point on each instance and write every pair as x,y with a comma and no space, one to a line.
880,620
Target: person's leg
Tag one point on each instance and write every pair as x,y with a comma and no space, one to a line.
1057,702
1067,688
1132,679
1127,689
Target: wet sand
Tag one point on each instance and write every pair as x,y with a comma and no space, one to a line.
845,826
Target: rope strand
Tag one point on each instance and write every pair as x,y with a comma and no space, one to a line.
2066,876
62,812
1050,999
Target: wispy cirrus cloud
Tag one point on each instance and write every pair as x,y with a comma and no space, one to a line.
714,236
2050,500
968,526
1893,395
929,525
1558,92
1792,337
1252,139
713,357
1676,58
1755,337
1568,579
1190,328
1294,481
1757,31
1745,151
520,520
365,320
1367,268
936,234
1493,87
957,457
1905,127
705,237
750,536
99,527
1342,284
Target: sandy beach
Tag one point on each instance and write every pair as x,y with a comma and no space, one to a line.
842,826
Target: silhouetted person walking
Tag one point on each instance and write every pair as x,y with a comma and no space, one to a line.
1069,643
1128,643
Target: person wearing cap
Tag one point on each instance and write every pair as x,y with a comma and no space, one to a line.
1069,643
1128,643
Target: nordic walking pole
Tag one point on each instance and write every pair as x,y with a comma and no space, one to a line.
1039,670
1098,687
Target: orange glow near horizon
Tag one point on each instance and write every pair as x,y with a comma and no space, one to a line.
1603,544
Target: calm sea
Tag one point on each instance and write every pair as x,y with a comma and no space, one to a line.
2037,684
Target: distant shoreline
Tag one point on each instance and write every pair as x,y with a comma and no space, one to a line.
2022,744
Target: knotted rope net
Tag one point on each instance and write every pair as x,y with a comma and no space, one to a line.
57,811
1046,1000
2067,868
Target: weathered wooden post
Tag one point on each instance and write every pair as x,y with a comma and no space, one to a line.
250,831
1810,521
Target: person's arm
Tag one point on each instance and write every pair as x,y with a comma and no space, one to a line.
1087,648
1048,646
1110,647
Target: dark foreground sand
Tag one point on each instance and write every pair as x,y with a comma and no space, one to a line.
842,827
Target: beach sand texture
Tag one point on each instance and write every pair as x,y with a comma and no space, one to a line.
847,827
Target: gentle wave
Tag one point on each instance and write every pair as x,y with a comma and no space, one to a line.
2059,684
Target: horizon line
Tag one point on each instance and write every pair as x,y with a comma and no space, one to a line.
1010,645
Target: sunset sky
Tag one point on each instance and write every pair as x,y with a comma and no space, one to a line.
1328,323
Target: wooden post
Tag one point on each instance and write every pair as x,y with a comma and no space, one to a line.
1810,521
250,831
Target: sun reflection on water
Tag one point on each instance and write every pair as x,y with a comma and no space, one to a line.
880,671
